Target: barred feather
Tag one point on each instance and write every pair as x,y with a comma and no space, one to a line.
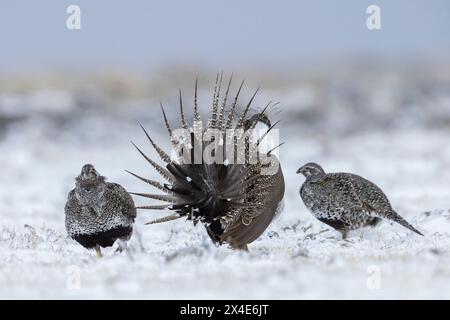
234,201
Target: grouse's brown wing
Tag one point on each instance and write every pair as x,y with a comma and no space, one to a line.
342,192
122,199
358,193
241,232
72,211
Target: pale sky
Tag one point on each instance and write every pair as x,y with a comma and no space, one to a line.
139,34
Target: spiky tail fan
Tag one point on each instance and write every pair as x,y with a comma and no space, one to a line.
233,198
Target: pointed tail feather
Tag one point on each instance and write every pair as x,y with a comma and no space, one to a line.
230,116
155,207
173,140
212,122
196,111
163,172
220,121
394,216
183,117
160,197
241,118
163,155
153,183
165,219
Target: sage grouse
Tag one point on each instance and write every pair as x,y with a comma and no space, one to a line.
235,197
345,201
98,212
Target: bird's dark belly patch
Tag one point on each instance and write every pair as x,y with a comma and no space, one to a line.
336,224
103,239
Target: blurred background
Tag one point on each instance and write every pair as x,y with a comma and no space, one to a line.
373,102
315,57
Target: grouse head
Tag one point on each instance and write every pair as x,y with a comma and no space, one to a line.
89,177
311,169
258,117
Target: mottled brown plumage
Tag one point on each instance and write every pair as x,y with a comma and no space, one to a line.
98,212
235,199
345,201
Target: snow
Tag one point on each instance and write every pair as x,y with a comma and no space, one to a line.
296,258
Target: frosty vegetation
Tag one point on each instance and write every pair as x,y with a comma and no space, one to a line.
389,125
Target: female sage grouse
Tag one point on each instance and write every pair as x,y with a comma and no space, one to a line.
218,175
345,201
98,212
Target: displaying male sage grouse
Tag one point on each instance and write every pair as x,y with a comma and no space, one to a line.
219,176
345,201
98,212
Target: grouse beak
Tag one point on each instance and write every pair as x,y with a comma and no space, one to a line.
304,171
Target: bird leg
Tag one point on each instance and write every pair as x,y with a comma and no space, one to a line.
344,233
98,251
244,248
122,246
139,239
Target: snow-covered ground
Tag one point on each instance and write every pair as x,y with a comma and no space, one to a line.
298,257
